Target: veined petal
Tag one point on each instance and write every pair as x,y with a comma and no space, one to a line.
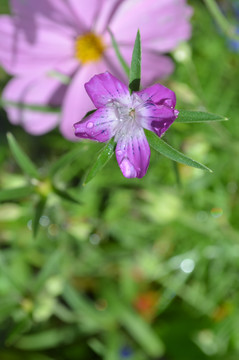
156,118
105,87
99,126
133,154
158,94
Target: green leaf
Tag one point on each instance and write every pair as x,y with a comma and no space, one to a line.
64,161
163,148
40,206
32,107
16,193
104,156
52,266
21,158
64,79
65,195
186,116
135,325
46,339
118,54
20,328
135,69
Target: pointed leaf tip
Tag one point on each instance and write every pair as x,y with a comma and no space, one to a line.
135,69
187,116
21,158
165,149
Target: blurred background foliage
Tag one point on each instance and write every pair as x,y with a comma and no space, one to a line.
134,269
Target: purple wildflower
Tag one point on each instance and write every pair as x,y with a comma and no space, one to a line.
46,41
123,116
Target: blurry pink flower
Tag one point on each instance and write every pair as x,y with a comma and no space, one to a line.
50,40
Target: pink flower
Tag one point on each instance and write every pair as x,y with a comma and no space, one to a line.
123,116
47,40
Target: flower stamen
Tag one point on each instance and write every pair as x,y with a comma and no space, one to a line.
89,48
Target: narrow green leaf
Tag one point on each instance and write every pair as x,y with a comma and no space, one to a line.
163,148
135,325
21,158
32,107
16,193
20,328
104,156
46,339
122,61
40,206
64,161
64,79
135,69
186,116
65,195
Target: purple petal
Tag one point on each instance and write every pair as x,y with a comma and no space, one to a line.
40,91
76,102
99,126
158,94
163,24
18,55
133,155
156,118
105,87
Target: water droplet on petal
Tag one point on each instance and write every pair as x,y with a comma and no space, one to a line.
168,102
119,152
164,124
128,169
176,112
90,125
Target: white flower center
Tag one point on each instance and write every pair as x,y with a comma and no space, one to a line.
126,111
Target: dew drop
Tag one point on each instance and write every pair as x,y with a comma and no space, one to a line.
128,169
176,112
168,102
90,125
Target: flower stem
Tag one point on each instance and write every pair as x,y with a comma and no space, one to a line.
221,20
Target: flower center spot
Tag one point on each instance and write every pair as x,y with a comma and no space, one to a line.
89,48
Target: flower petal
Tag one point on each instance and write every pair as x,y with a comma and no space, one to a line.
105,87
45,13
18,55
38,91
99,126
133,155
163,24
158,94
156,118
76,102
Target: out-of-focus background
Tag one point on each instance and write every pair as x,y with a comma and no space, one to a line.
139,269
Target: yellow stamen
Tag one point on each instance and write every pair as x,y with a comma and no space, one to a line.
89,48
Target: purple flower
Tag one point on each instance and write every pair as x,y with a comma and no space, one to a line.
48,39
123,116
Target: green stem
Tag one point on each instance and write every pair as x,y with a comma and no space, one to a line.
221,20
